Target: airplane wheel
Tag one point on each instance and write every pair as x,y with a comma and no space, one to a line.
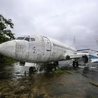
32,70
75,64
56,63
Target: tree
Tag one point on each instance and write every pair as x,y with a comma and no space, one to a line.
5,32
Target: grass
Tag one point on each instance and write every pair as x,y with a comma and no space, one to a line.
9,61
69,71
59,71
6,60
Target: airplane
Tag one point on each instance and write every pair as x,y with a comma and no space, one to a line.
40,49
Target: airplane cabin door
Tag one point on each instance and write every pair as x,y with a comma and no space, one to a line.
47,44
47,48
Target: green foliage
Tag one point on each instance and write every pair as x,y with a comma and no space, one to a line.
59,71
5,33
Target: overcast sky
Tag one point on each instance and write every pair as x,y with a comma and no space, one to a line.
63,20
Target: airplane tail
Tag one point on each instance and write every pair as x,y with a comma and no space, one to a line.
71,43
74,42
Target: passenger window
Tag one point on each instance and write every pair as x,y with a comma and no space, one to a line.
32,39
27,39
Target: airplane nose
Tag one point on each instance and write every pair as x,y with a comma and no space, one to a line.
8,49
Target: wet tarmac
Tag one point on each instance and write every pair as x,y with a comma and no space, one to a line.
16,82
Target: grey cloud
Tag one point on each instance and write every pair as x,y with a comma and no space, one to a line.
60,19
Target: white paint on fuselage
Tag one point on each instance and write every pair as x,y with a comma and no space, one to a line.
42,49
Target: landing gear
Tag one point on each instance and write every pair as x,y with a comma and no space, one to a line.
55,66
32,70
75,63
49,66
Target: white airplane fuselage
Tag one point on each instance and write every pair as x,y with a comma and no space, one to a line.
36,49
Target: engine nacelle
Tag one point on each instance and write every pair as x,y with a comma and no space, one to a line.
67,57
85,59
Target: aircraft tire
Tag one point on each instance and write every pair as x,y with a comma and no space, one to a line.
32,70
75,64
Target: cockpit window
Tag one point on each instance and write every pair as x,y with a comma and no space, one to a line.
20,38
32,39
27,39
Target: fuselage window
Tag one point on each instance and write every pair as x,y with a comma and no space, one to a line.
32,39
27,39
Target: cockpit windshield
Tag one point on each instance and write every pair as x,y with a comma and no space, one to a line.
28,38
32,39
20,38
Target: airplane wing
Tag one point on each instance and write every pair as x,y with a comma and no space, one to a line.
78,55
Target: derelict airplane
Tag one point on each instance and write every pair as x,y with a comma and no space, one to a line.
39,49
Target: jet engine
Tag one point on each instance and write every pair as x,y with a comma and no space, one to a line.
85,59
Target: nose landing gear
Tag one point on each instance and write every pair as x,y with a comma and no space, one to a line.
75,63
32,70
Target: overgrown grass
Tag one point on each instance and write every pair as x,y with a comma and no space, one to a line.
9,60
69,71
59,71
6,60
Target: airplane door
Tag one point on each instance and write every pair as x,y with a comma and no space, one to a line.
47,44
47,49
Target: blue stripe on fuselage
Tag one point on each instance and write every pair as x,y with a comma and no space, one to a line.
93,57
